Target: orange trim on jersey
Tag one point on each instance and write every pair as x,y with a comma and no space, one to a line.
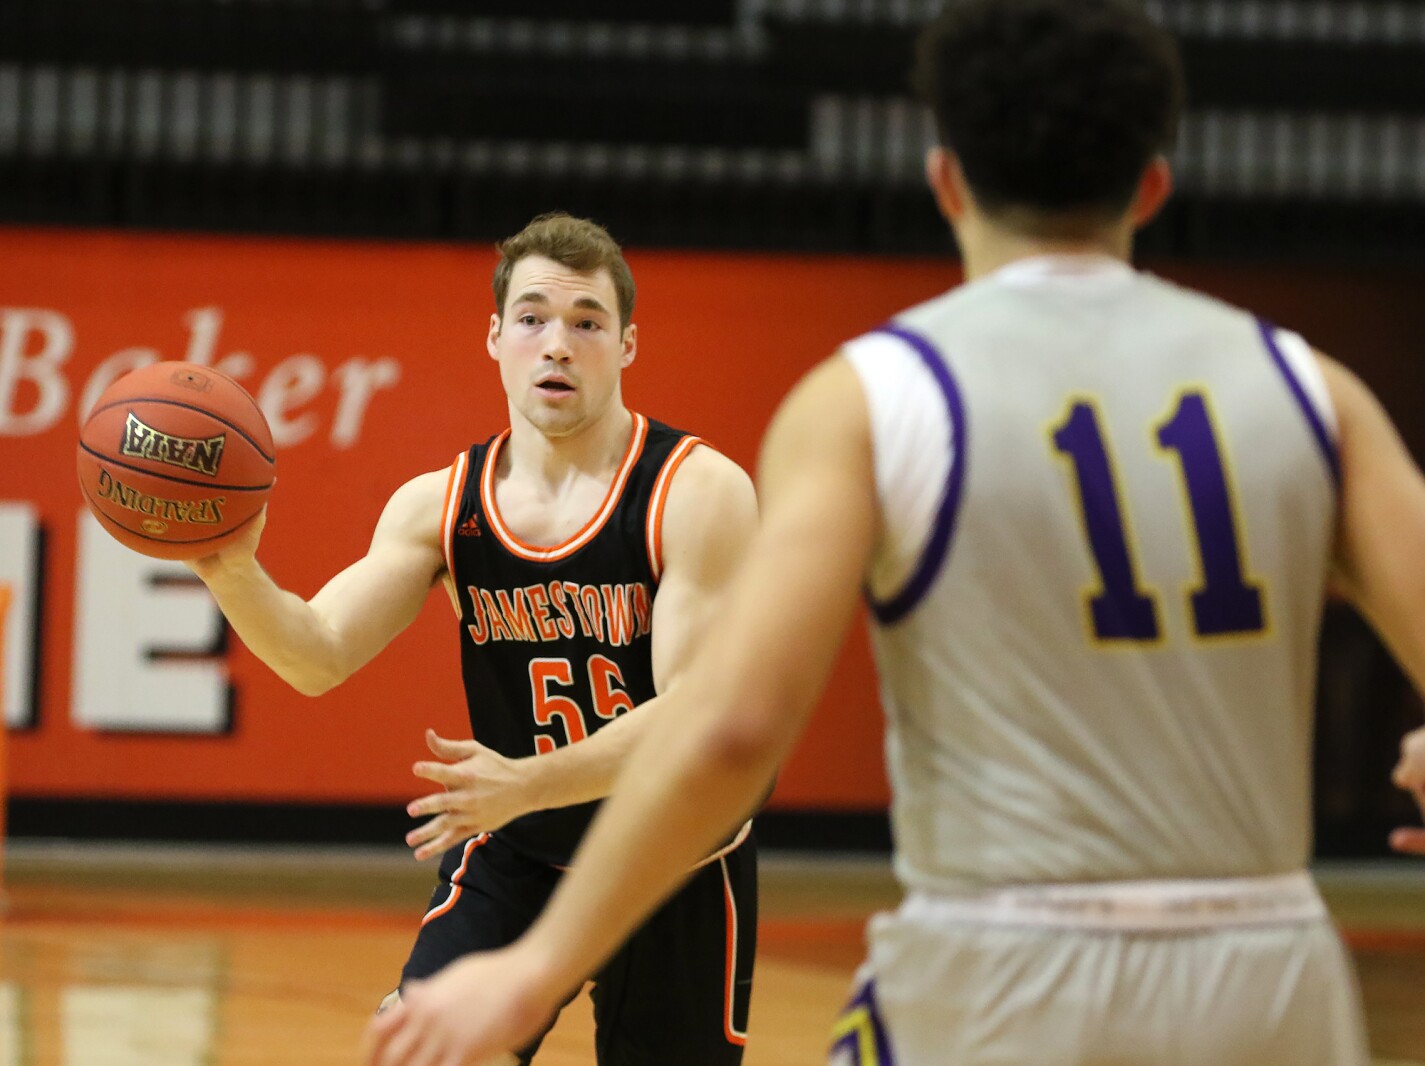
731,846
660,497
729,1030
533,552
455,889
454,490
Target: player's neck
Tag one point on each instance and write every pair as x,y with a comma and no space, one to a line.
985,248
592,450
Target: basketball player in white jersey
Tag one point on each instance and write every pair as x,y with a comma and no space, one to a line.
1095,516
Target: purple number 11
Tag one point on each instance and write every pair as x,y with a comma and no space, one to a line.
1224,603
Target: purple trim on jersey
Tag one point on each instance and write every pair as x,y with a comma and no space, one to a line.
942,531
1313,416
866,999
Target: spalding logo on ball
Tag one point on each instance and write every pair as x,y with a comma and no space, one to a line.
175,459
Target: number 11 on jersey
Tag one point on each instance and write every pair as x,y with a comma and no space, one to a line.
1224,603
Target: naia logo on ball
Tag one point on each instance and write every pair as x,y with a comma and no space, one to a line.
145,442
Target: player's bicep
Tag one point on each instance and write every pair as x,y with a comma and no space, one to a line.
380,594
708,523
1381,535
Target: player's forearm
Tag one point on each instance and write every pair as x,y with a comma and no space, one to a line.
279,627
579,773
678,795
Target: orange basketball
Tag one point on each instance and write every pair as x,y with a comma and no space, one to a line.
175,459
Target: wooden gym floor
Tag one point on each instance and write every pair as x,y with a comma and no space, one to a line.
129,956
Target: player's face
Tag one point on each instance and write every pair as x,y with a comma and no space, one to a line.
559,346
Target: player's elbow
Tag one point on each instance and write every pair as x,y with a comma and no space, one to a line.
743,741
311,681
309,686
318,668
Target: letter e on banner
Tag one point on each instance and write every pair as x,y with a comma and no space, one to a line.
146,637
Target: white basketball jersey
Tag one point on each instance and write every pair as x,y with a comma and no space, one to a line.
1108,507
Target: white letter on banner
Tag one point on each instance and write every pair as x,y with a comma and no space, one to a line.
108,372
290,384
20,573
146,636
359,381
42,368
204,325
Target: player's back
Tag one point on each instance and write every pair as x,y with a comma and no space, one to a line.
1108,506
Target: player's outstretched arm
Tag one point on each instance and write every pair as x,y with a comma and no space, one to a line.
708,522
1380,543
316,644
726,723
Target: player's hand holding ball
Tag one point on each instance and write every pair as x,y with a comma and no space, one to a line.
176,461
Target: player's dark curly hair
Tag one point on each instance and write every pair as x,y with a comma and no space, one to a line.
1051,106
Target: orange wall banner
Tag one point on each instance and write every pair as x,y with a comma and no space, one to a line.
120,680
369,361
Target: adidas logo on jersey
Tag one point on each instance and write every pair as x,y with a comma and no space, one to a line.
469,528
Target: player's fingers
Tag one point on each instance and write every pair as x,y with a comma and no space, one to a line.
1412,753
449,749
1408,771
433,843
1408,841
461,805
409,1045
379,1032
435,803
436,771
1412,780
429,1051
441,844
426,832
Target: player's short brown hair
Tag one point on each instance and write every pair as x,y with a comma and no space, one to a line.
577,243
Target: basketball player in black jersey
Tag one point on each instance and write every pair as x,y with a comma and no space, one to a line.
582,548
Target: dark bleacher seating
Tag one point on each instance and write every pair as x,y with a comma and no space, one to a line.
727,123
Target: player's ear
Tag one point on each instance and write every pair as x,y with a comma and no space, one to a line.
630,344
947,182
493,336
1154,188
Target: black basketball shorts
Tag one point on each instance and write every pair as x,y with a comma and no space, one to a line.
677,993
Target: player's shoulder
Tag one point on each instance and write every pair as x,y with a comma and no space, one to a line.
1179,297
688,456
706,488
708,469
431,484
417,505
1351,398
710,509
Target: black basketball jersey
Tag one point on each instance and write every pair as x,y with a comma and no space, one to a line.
555,642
